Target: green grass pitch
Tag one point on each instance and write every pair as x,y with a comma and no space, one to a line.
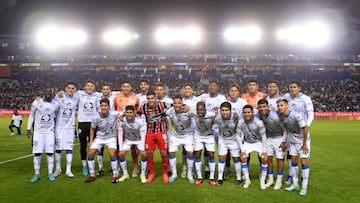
334,175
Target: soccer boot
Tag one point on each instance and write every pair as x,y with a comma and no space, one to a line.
172,178
212,182
51,177
57,172
69,174
269,183
85,170
262,184
199,182
35,178
90,179
278,185
247,183
115,179
292,188
143,178
124,177
100,173
303,191
165,178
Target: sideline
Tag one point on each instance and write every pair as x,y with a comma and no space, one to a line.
23,157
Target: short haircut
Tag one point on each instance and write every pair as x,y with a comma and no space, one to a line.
106,84
213,81
160,85
295,82
126,81
263,101
188,85
282,100
145,81
90,81
247,106
274,81
106,100
71,83
129,108
252,80
200,103
236,86
150,93
178,97
225,104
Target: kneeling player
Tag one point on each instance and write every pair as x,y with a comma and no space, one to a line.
254,139
204,136
132,132
105,125
229,140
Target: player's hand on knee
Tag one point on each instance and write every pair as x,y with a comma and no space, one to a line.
29,134
283,146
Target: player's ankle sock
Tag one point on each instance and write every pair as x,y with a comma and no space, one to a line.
212,164
295,172
237,165
279,175
190,163
69,156
100,158
58,159
221,166
305,175
165,163
123,165
114,165
50,162
270,174
264,168
245,170
198,168
91,164
151,164
143,166
172,162
37,162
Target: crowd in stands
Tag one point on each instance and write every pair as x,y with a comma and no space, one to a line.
331,88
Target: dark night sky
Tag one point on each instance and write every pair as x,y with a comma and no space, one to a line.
19,17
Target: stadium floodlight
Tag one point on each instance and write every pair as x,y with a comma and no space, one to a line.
313,34
190,35
72,37
249,34
48,37
119,36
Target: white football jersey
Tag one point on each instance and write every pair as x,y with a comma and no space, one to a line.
16,120
181,122
294,124
301,104
212,102
134,131
87,105
238,105
66,115
105,126
43,115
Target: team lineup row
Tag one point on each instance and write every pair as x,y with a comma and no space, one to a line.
124,121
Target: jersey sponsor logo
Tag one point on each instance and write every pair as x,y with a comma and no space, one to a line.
45,118
88,106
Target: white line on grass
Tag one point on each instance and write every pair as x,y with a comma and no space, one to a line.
22,157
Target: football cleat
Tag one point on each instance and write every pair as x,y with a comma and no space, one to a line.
35,178
51,177
150,178
247,183
90,179
212,182
292,188
115,179
278,185
262,184
100,173
69,174
172,178
85,171
134,173
288,180
124,177
165,178
199,182
143,178
238,183
57,172
303,191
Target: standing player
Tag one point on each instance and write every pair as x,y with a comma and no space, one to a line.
65,127
42,116
213,100
144,88
181,134
132,131
237,104
105,124
253,139
297,132
204,137
229,140
86,111
154,112
124,98
160,92
274,138
301,103
190,100
253,95
273,94
16,122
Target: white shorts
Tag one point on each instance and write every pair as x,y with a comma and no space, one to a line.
295,150
187,141
99,142
273,148
126,145
253,147
64,138
228,144
43,142
208,141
